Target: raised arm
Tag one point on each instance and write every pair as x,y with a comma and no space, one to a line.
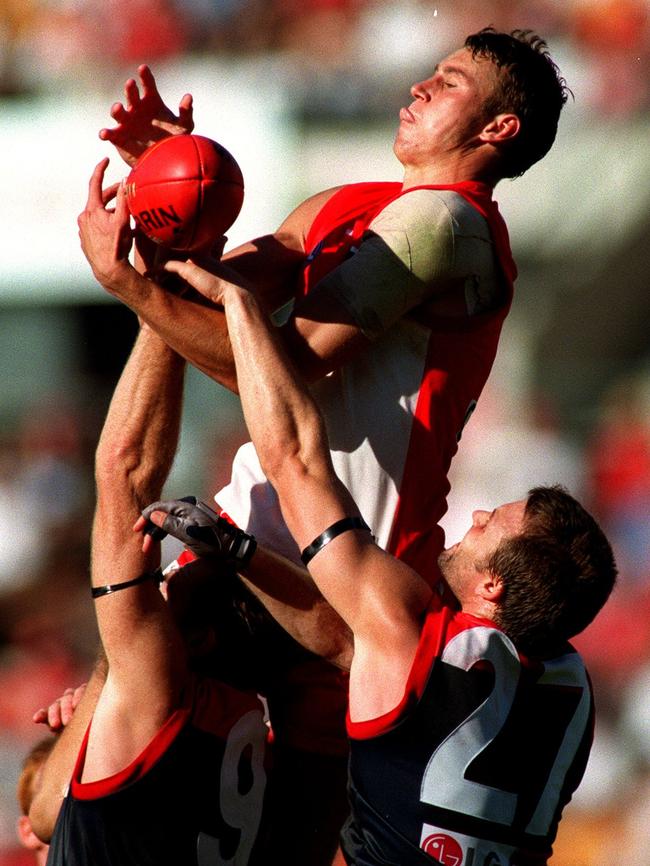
142,664
144,649
379,598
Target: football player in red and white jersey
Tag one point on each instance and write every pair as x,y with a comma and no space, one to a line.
471,721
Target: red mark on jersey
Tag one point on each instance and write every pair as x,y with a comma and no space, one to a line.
444,848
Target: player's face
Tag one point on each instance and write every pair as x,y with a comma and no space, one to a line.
462,563
447,111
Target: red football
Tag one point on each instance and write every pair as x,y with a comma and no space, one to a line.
185,191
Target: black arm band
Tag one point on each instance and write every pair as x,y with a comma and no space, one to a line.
331,532
98,591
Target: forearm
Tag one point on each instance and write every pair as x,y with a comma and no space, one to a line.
291,442
57,770
140,434
281,415
291,597
134,455
193,326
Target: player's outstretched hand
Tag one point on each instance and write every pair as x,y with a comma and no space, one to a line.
105,233
200,529
60,711
144,118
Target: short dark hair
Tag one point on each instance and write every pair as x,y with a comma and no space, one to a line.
557,574
529,85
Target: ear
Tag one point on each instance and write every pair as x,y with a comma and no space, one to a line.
502,128
28,839
490,587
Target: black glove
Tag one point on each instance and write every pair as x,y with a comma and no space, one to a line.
202,530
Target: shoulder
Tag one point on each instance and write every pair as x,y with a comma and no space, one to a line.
299,221
418,230
440,209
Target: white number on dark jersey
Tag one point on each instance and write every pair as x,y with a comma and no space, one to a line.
242,811
445,787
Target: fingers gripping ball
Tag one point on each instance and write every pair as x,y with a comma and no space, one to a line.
185,191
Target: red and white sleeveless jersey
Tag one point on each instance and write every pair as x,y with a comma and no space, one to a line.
395,412
477,762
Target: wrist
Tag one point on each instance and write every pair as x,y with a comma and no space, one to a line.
120,280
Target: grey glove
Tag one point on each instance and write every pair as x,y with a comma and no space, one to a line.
202,530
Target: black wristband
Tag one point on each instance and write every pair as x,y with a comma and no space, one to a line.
98,591
331,532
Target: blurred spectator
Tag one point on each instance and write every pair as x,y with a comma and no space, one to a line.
53,474
47,628
58,41
351,51
19,563
138,29
619,475
16,19
614,35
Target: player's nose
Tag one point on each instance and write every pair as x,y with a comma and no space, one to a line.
479,517
419,90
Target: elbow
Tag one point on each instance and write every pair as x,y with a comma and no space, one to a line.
114,464
280,464
122,468
293,478
291,459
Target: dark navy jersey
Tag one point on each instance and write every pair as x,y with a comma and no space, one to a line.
193,797
475,765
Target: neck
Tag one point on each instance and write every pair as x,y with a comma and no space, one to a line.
424,177
479,607
452,168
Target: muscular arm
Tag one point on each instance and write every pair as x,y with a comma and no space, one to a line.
140,644
378,597
144,649
286,589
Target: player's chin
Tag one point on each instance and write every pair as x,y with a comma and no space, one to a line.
446,557
449,552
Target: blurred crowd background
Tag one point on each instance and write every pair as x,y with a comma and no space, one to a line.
306,94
